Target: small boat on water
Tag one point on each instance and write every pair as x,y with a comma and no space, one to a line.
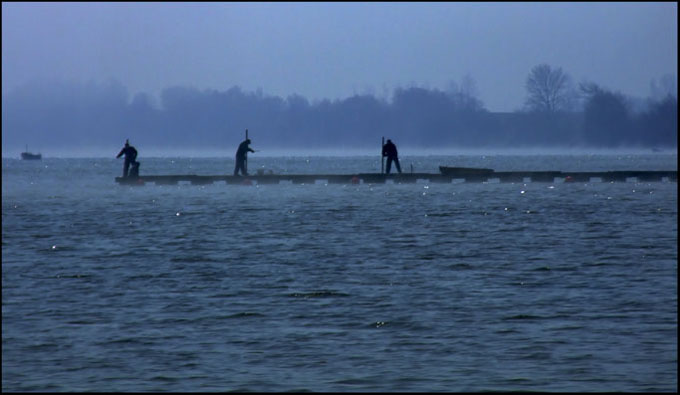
30,156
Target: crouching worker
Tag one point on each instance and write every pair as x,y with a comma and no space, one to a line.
130,159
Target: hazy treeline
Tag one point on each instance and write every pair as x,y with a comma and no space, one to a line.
72,114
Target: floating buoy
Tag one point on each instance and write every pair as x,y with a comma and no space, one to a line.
247,182
568,179
355,180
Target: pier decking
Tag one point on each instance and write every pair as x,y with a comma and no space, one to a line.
405,178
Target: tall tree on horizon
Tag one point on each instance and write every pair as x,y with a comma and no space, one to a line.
549,90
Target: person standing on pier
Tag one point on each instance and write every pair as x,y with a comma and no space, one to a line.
390,151
130,159
242,156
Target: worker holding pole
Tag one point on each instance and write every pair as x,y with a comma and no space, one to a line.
242,156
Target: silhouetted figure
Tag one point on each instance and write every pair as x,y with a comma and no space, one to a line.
241,156
390,151
130,159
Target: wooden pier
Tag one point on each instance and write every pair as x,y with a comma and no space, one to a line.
485,175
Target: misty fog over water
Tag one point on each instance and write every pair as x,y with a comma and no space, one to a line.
59,119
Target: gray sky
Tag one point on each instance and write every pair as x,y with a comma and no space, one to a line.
333,50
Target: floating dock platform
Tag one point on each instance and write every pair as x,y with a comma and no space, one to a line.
450,175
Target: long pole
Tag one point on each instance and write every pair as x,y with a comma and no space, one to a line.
382,158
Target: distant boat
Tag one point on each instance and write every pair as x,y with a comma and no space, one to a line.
30,156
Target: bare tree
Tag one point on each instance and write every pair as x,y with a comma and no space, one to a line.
549,90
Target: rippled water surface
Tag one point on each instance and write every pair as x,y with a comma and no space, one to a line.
413,287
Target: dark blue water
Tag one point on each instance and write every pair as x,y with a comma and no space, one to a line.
415,287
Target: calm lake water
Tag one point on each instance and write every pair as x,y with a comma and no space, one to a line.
371,287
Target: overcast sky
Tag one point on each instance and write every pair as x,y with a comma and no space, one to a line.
334,50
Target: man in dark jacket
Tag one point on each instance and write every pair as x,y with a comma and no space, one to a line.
390,151
242,156
130,158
